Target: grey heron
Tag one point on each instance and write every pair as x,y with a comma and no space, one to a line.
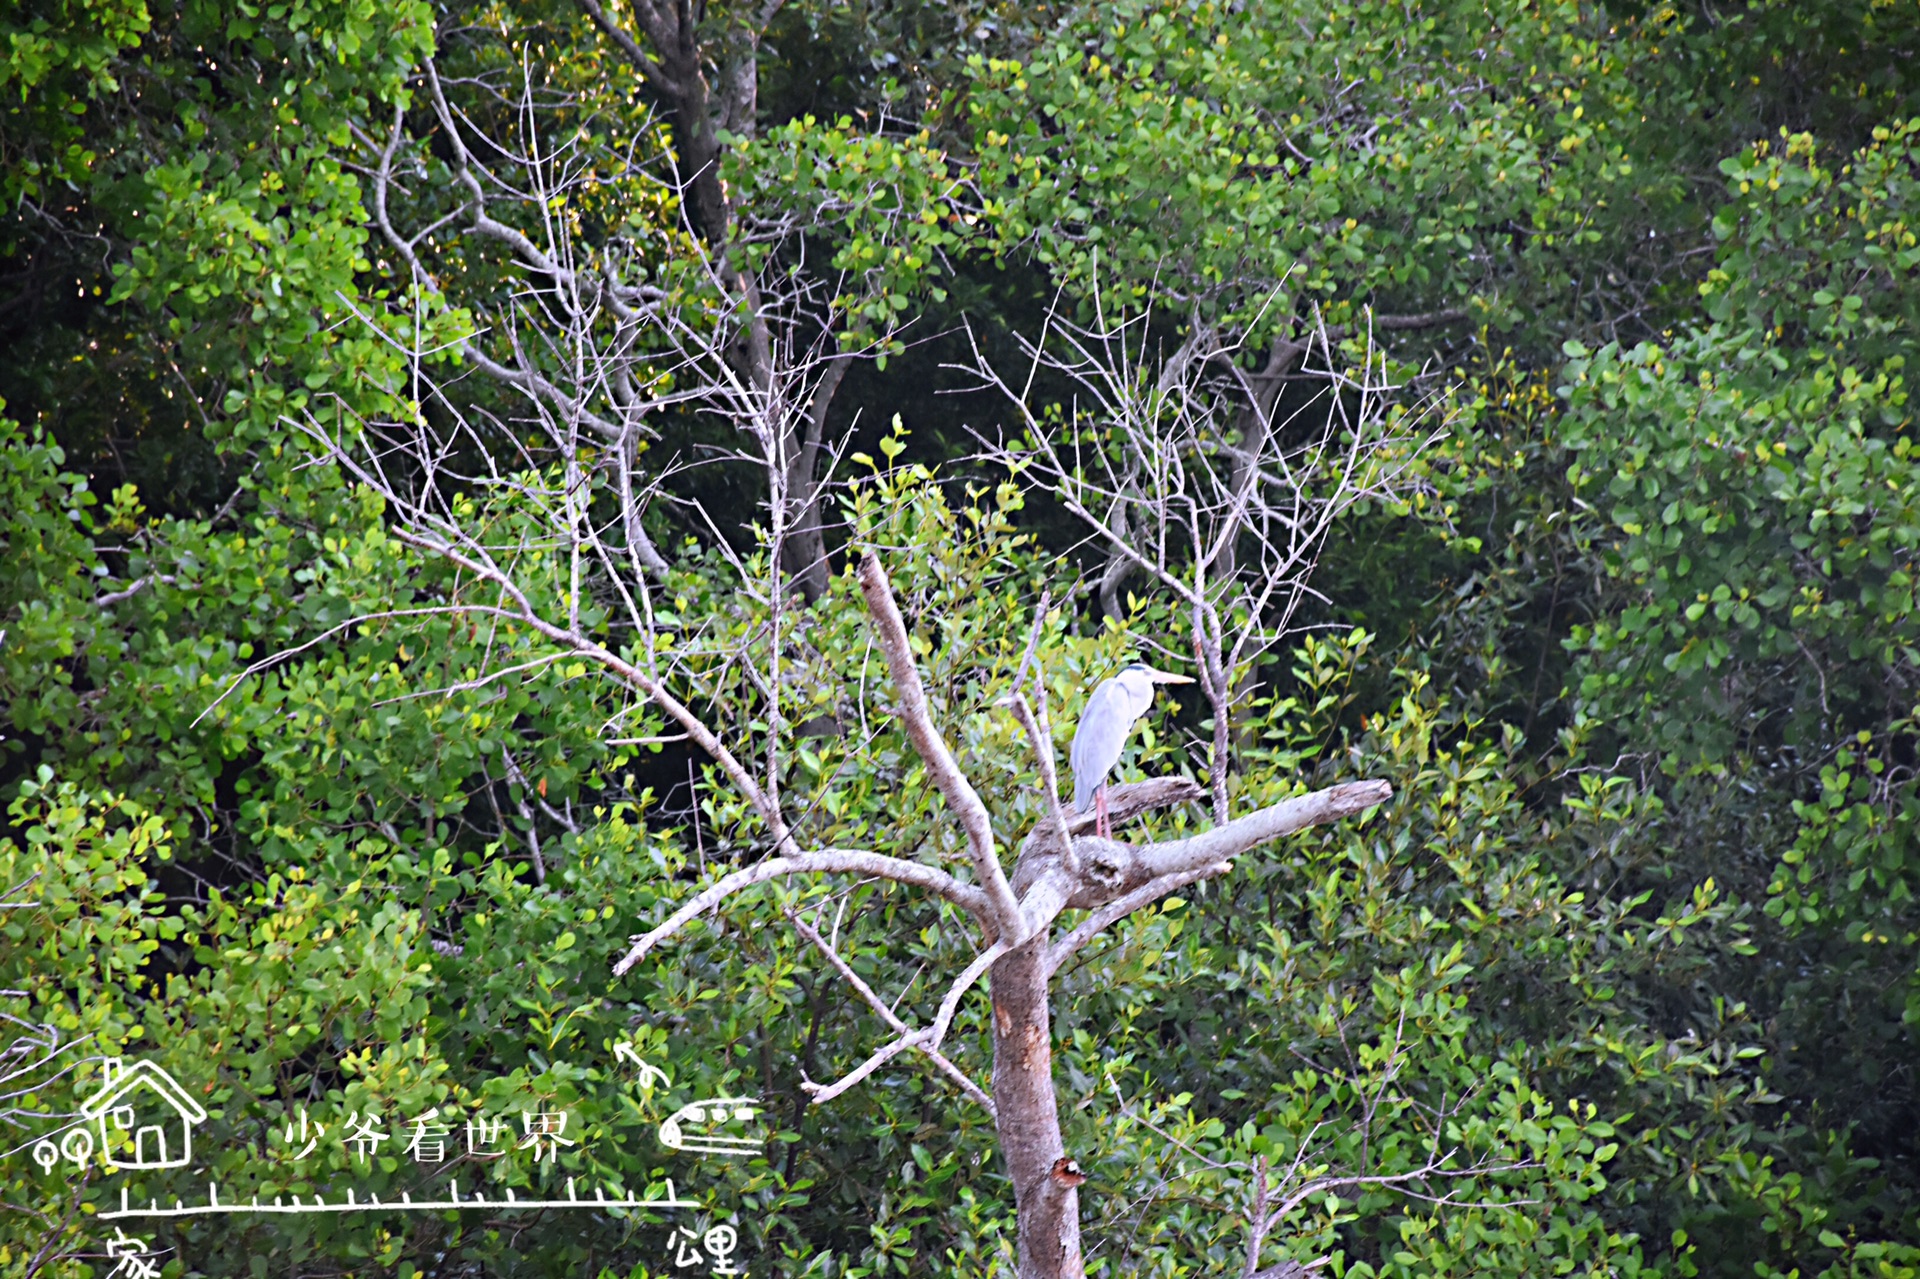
1116,703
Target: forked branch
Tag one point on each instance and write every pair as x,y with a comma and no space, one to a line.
1138,876
909,1036
926,1039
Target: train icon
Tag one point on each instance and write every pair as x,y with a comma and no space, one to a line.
713,1127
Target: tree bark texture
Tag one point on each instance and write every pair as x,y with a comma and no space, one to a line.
1047,1203
805,550
701,110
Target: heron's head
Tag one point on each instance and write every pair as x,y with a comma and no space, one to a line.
1154,676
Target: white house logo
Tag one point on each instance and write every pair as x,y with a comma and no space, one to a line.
143,1116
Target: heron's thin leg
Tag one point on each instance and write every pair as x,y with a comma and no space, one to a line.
1100,823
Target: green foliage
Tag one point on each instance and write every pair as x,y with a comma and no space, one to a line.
1212,155
1758,477
57,62
205,161
891,204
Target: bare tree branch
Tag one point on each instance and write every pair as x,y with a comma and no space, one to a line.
139,584
1128,800
1040,737
926,1040
1184,469
1419,320
1113,879
1120,907
817,862
922,1044
1223,843
1004,909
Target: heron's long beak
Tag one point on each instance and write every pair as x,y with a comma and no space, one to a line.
1165,677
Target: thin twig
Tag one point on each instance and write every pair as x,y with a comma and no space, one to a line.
866,992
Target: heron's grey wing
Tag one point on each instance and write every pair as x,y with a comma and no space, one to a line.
1098,739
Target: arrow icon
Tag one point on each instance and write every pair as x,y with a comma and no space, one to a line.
648,1071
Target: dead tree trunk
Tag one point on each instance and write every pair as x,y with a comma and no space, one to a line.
708,81
1027,1115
